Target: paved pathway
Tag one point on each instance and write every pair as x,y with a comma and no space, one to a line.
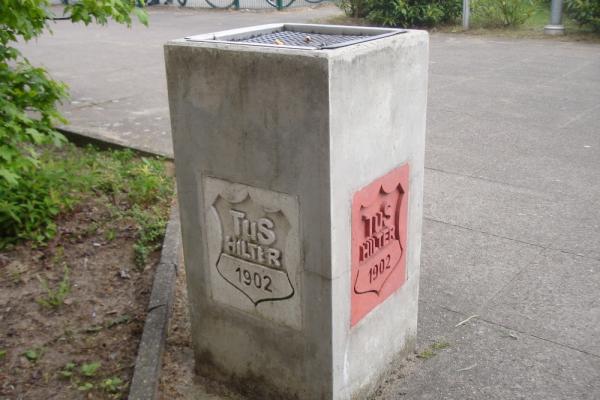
512,215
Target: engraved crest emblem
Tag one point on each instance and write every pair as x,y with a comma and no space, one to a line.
253,244
252,253
379,213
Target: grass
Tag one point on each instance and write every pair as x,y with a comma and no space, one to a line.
432,350
533,28
54,298
136,191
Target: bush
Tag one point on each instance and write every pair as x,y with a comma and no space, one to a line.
355,8
585,12
495,13
405,13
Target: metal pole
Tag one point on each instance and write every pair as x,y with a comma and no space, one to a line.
555,27
466,14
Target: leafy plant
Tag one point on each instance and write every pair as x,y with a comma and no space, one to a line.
54,298
507,13
33,355
87,386
28,96
89,369
69,175
2,354
111,385
584,12
151,226
67,371
29,198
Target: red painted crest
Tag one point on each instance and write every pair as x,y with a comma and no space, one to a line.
379,217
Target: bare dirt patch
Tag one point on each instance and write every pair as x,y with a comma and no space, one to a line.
47,347
178,379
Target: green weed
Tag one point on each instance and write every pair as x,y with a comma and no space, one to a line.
426,354
440,345
2,354
64,178
111,385
54,298
431,351
151,226
87,386
67,371
89,370
33,355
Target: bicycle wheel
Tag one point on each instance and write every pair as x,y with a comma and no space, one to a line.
273,4
216,6
182,3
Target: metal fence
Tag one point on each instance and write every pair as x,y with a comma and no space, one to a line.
247,4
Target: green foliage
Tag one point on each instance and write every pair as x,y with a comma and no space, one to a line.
28,96
28,210
29,207
28,99
405,13
111,385
431,351
89,369
440,345
87,386
54,298
502,13
585,12
2,354
67,371
151,227
101,11
355,8
33,355
31,190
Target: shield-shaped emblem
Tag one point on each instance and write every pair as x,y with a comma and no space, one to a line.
379,222
253,242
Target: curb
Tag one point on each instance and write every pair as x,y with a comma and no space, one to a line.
82,136
146,374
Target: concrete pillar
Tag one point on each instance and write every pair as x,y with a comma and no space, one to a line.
300,182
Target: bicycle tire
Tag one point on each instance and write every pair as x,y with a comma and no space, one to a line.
273,4
216,6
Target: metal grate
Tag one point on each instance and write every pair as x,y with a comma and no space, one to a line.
301,39
297,36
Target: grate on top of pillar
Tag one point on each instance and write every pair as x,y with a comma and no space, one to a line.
298,36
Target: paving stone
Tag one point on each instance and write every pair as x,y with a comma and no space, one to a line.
555,298
485,361
462,269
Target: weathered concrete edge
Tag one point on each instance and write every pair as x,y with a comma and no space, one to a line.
80,135
144,385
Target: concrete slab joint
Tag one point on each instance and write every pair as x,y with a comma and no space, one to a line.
300,176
